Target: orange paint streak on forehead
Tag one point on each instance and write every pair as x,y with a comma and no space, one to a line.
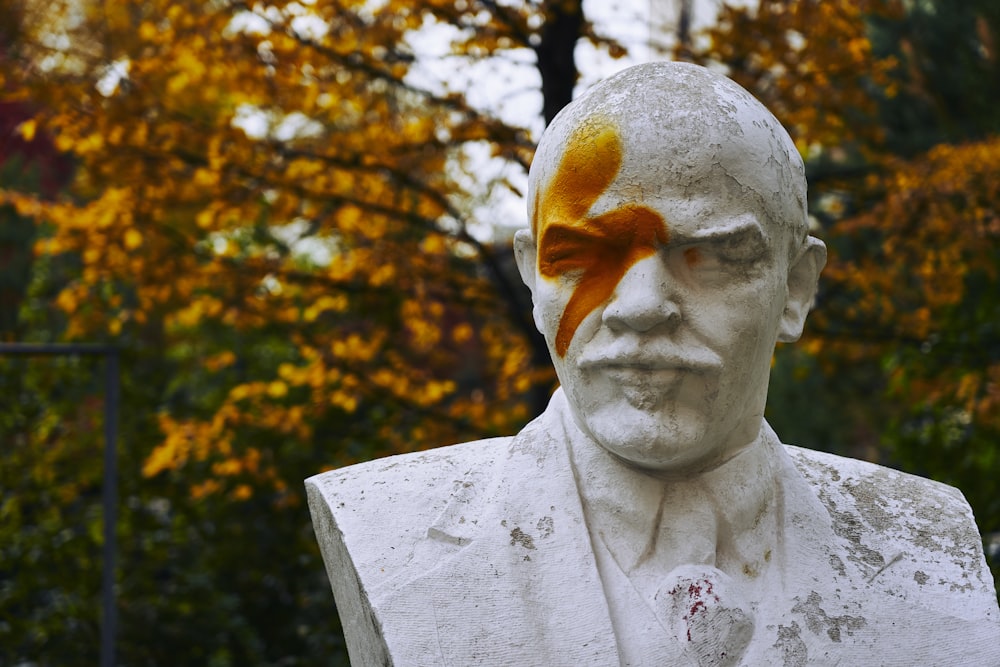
592,158
601,248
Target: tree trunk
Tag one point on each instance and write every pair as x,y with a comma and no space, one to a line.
555,52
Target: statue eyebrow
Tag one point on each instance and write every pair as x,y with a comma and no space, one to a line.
742,229
562,231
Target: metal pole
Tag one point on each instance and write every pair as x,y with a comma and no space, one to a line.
109,494
109,625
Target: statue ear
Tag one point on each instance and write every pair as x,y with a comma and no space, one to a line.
525,254
803,279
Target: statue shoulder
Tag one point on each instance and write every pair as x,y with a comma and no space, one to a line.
869,482
416,472
382,509
374,523
911,536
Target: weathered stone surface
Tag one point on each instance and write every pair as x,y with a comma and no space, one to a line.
491,563
650,516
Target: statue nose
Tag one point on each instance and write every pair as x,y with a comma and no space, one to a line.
644,298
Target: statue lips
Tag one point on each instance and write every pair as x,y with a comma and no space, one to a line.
646,357
648,377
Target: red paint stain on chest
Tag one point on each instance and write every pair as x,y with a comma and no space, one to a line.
698,592
601,248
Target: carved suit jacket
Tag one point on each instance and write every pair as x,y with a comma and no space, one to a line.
478,554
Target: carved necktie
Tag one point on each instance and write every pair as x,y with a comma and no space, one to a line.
707,615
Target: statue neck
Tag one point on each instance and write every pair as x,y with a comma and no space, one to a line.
726,517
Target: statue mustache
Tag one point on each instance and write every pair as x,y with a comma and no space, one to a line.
648,355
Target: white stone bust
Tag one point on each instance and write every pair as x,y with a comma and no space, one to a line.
650,516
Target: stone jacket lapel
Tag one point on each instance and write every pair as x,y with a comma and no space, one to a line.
522,588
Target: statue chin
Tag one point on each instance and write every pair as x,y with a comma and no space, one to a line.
674,442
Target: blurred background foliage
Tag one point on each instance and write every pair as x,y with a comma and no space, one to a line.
274,216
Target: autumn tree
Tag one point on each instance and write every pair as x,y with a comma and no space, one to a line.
268,217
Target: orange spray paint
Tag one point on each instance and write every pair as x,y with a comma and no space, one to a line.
602,248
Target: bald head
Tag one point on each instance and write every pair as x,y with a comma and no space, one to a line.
672,125
661,203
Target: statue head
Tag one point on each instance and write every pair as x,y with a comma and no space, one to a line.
668,253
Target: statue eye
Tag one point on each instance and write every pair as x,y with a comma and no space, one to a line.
730,252
721,258
558,258
741,249
563,249
704,259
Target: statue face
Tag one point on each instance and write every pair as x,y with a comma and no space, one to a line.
661,304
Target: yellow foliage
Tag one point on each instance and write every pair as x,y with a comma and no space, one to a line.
133,238
277,389
462,333
205,488
281,192
27,129
219,361
811,63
